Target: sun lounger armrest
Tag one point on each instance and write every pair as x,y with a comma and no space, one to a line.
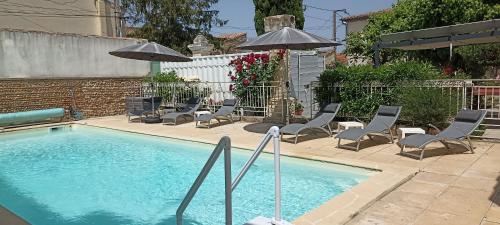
361,121
432,126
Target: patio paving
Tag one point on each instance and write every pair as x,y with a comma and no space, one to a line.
454,188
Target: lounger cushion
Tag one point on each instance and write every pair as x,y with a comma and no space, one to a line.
353,134
225,111
229,102
193,101
388,110
293,128
330,108
174,115
471,116
418,140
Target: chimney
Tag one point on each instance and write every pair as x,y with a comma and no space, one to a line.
274,23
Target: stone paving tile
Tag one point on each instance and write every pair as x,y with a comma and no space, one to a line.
441,218
489,164
493,214
484,174
409,199
489,223
434,178
448,166
381,157
419,187
487,185
462,201
387,213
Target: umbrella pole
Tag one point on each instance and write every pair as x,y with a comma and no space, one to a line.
152,89
287,85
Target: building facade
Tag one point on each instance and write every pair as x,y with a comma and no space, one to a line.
356,23
85,17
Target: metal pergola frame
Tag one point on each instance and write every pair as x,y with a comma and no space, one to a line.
482,32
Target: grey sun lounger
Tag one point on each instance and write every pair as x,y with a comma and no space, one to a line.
224,113
381,123
462,127
140,106
320,122
188,111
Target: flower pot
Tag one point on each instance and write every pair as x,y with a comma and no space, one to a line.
432,131
299,112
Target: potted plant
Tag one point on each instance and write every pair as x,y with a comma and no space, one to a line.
299,109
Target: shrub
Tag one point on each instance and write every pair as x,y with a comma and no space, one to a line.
165,77
361,89
172,86
422,106
250,71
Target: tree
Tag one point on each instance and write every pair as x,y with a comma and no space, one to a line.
265,8
419,14
477,59
173,23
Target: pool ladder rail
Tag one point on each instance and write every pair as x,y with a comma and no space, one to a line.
225,145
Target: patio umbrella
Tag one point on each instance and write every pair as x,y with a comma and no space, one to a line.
287,38
150,52
290,39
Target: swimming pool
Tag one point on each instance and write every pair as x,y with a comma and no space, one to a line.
87,175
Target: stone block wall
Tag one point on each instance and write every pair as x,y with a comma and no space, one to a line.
93,96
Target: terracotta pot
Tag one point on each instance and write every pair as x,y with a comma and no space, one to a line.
433,131
299,112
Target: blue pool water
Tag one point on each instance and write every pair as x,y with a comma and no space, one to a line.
85,175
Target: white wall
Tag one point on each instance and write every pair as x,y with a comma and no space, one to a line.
28,54
213,68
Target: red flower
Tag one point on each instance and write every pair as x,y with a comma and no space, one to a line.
281,53
246,82
448,70
265,58
250,60
254,77
233,78
239,68
257,56
231,87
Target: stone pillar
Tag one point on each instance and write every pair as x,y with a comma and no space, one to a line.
200,46
280,101
274,23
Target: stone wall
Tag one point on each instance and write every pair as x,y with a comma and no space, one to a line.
93,96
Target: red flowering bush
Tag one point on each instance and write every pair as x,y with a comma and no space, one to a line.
252,70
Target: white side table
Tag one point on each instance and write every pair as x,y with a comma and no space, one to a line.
404,131
199,113
349,124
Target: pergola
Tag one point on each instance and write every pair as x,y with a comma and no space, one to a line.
482,32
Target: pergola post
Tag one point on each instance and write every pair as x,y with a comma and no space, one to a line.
376,54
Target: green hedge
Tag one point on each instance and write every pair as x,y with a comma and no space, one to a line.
361,89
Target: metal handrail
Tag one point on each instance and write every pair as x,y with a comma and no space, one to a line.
274,133
223,145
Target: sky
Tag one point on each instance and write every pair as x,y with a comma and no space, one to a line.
240,15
